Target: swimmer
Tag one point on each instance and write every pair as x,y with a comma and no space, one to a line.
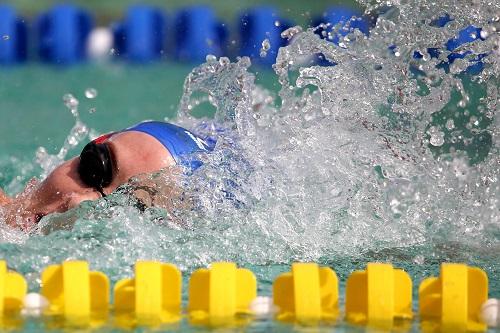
104,164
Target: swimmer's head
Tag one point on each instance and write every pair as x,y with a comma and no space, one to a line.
125,155
96,167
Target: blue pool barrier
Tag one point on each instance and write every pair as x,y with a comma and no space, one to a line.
198,33
13,36
258,24
467,35
141,37
347,17
62,34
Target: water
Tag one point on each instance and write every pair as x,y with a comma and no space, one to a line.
383,157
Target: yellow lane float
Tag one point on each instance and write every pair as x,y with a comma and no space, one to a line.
75,293
13,288
454,299
224,295
219,293
307,294
378,296
153,296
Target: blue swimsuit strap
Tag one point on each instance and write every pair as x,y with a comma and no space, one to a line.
181,143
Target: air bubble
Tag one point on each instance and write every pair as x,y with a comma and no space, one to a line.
5,37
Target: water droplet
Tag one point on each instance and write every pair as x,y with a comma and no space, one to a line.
224,61
419,259
290,32
266,45
277,23
70,101
210,58
474,121
450,124
72,141
92,110
90,93
437,139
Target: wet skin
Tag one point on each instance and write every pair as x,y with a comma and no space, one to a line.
133,153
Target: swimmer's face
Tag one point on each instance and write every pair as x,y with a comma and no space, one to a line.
133,153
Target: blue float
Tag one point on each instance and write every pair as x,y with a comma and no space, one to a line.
258,24
141,37
198,33
62,34
13,37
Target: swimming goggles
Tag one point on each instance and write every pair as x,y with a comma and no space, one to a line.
96,168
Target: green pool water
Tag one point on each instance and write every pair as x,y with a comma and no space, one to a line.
34,115
31,100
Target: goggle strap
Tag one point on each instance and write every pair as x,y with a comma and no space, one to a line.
101,191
